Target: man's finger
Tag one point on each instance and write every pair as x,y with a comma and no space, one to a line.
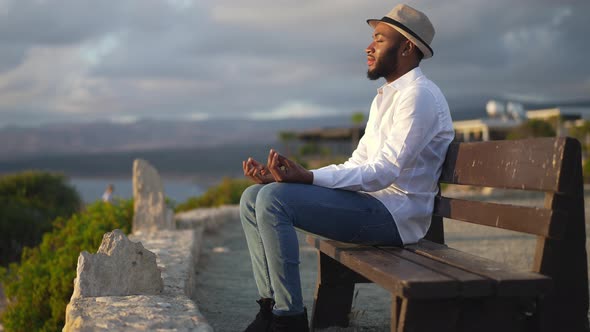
273,168
284,160
277,167
254,162
269,161
247,173
249,165
254,171
244,167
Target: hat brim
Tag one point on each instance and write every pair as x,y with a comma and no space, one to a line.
406,32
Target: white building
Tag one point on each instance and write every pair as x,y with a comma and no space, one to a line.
501,122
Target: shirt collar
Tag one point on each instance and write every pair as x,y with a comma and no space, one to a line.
404,80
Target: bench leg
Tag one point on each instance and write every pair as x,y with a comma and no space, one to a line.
396,307
565,260
334,293
505,314
424,315
454,315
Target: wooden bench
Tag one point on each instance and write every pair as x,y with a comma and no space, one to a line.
437,288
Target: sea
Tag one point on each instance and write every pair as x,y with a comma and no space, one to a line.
91,189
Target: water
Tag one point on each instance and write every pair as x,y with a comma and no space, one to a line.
91,189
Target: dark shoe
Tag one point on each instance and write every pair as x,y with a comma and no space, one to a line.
264,317
296,323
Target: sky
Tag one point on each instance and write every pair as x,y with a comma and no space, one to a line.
124,60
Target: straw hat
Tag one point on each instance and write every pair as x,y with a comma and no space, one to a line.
411,23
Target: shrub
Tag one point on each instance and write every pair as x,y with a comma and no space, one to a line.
532,128
314,149
228,191
40,287
586,170
29,202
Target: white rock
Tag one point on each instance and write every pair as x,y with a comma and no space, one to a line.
150,212
119,268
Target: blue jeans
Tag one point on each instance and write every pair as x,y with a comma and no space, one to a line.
270,214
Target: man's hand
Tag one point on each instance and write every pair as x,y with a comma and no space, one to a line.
257,172
285,170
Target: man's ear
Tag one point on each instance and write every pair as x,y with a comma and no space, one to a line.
410,46
407,48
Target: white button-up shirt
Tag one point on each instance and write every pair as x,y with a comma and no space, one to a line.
399,158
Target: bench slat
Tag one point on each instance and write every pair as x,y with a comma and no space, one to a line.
531,220
472,285
528,164
507,281
399,276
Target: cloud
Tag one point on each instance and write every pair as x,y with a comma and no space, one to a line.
294,110
129,59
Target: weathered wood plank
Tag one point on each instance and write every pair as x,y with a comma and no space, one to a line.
528,164
507,282
472,285
399,276
531,220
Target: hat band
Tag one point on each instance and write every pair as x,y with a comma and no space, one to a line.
405,28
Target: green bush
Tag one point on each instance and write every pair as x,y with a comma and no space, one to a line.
228,191
586,170
29,202
532,128
40,287
314,149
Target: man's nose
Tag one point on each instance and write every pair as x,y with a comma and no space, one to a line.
370,49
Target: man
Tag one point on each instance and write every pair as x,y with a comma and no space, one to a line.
383,195
107,196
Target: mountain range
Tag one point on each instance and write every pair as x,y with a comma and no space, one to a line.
106,147
104,137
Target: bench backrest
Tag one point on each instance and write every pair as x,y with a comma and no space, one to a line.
550,165
544,164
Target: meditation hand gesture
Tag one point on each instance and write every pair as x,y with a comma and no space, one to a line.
256,171
285,170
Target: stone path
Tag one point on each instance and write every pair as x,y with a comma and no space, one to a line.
226,291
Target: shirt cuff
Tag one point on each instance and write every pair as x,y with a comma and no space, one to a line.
322,177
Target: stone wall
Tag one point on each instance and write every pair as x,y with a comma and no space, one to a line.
176,253
145,282
211,218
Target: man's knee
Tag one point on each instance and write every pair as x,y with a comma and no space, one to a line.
248,197
275,195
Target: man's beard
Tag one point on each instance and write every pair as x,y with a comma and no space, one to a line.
384,66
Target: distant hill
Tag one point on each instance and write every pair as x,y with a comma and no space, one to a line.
147,135
214,146
211,162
